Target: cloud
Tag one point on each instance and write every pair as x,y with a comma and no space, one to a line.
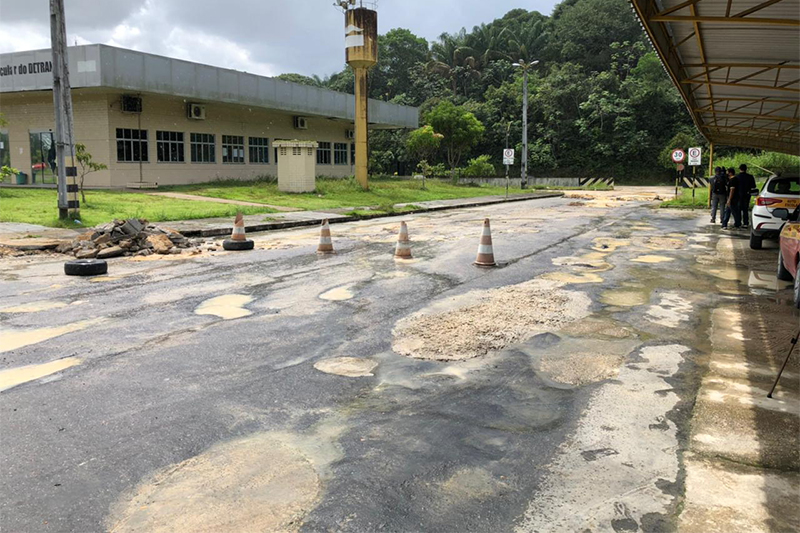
265,37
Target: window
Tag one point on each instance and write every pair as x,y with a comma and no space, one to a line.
339,153
232,149
324,153
786,186
352,153
259,149
169,147
276,156
203,148
131,145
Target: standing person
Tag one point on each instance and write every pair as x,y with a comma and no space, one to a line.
719,193
732,205
746,183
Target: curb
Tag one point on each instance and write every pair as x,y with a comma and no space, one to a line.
268,226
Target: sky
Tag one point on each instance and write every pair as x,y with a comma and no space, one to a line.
266,37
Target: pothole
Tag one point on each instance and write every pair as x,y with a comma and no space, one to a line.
17,376
664,243
33,307
338,294
228,306
480,322
257,483
609,244
652,259
597,327
352,367
569,277
624,297
14,338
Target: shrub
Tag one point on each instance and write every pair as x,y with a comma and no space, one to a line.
479,167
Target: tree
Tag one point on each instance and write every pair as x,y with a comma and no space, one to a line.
314,81
423,143
88,166
460,128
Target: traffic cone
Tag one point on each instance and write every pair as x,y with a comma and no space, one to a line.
238,229
485,253
325,243
238,241
403,248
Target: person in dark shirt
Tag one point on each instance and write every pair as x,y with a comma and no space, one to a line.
746,183
719,193
732,205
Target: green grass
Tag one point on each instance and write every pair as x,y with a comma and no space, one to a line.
338,193
39,206
684,199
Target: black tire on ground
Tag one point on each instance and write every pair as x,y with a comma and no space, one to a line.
783,273
232,245
756,241
797,291
85,267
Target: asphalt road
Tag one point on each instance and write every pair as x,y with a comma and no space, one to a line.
163,419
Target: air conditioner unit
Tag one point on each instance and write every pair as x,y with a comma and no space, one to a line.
350,134
300,123
131,104
196,111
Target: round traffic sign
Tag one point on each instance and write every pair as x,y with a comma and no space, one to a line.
508,153
678,155
694,153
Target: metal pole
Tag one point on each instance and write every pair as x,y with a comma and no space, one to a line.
508,131
524,162
61,102
694,184
710,169
794,342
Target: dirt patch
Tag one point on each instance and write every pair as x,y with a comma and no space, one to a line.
352,367
480,322
253,484
472,483
581,368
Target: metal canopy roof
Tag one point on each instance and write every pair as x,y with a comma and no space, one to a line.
736,64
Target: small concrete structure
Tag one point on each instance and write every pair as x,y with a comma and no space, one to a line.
296,165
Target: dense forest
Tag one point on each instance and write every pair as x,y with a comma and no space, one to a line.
600,102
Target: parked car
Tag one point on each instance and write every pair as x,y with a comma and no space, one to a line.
789,253
777,192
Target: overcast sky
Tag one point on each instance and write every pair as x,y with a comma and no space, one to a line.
266,37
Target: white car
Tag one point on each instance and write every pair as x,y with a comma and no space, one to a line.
778,191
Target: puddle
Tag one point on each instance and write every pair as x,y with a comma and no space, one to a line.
16,376
256,483
624,298
228,307
33,307
573,361
484,321
609,244
17,338
652,259
670,311
352,367
567,277
602,327
595,261
338,294
766,280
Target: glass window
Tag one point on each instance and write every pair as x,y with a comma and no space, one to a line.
43,157
340,153
788,186
232,149
352,153
324,153
131,145
169,147
203,147
259,149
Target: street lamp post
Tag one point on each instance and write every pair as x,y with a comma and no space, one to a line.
524,163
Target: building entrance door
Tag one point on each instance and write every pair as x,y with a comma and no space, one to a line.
43,157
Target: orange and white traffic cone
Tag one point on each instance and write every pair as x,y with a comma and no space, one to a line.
403,248
485,252
238,241
325,243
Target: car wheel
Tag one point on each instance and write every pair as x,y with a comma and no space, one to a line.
797,291
783,273
229,244
85,267
756,241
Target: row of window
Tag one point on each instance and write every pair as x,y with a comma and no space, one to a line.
132,147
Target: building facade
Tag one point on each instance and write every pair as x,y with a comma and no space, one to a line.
153,119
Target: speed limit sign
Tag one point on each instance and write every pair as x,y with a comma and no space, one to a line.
678,155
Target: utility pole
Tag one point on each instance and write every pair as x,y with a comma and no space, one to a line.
62,103
524,162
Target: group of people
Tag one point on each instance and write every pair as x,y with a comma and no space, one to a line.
730,195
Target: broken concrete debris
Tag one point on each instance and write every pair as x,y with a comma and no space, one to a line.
134,236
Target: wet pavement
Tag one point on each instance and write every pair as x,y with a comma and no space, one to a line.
608,376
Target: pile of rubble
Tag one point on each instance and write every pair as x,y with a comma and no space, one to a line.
135,236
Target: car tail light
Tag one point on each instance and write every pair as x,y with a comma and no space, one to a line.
767,201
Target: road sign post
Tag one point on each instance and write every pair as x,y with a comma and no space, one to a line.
508,160
695,157
678,157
